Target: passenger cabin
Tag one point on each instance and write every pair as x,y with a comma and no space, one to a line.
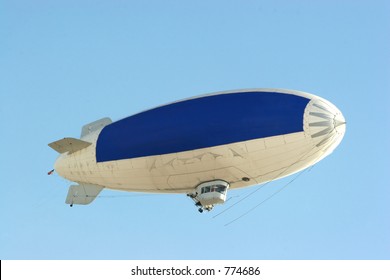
211,193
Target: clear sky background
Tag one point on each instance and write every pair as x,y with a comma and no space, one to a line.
67,63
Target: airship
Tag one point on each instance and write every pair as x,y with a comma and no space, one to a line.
202,146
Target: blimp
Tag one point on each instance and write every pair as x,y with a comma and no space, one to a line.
202,147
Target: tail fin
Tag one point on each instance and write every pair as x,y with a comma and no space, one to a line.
93,126
82,194
70,145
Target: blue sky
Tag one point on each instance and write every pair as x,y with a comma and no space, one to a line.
67,63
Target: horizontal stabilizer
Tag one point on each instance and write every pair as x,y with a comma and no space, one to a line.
70,145
82,194
93,126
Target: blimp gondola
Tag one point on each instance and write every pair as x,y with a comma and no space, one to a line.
203,146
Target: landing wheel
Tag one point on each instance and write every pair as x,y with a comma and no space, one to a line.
200,210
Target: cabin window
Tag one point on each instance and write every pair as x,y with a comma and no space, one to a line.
214,188
206,189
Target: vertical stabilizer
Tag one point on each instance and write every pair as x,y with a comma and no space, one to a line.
82,194
93,126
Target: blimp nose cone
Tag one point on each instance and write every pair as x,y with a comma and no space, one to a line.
337,121
324,123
